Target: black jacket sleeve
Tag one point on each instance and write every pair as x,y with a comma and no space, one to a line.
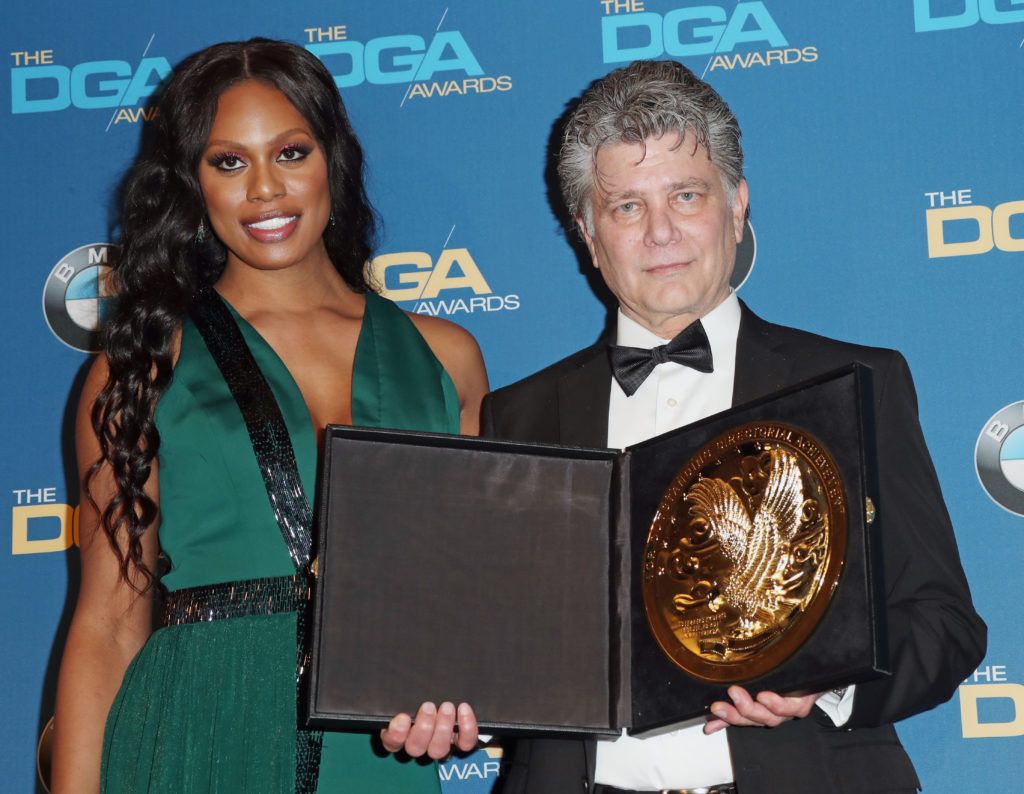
935,637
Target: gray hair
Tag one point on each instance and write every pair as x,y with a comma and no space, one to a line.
646,99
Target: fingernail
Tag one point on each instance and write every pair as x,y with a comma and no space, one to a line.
718,711
401,721
428,708
464,710
447,709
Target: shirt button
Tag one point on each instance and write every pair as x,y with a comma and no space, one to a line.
672,403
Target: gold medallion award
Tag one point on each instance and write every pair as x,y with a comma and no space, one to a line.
744,552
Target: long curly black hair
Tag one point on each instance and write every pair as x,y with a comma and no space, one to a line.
162,265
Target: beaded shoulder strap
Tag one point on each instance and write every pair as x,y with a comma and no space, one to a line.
267,431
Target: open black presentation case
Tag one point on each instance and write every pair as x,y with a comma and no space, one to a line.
507,574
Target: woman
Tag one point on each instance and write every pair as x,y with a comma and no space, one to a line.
245,324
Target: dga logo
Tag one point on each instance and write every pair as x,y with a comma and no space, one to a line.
76,298
631,32
40,524
959,227
999,458
991,705
473,773
954,14
38,85
405,59
746,255
452,285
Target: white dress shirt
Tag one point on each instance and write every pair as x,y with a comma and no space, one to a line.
672,396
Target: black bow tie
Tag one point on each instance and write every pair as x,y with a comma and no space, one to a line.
632,365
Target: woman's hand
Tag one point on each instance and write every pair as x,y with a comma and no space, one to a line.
433,732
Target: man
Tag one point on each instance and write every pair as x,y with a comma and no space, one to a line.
652,170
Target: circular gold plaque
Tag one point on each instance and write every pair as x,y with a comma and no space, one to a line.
744,552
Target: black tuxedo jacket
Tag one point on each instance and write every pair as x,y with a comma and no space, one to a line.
936,639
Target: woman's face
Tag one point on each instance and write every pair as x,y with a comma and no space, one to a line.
264,180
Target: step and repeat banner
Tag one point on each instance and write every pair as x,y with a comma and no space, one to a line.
883,148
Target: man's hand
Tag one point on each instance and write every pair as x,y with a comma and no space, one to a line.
767,711
432,732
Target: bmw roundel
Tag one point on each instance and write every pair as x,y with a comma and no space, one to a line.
999,458
746,255
76,298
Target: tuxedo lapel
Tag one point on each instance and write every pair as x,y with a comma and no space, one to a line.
583,396
762,365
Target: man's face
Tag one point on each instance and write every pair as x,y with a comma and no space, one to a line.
664,236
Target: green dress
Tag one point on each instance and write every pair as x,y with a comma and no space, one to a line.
211,706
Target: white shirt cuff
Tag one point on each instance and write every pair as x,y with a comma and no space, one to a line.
838,708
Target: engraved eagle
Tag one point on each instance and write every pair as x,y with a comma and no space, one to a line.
758,548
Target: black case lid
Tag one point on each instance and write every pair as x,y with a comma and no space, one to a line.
507,575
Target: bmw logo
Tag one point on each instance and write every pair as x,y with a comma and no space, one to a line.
999,458
746,253
76,298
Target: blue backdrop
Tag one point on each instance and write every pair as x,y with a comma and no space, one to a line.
882,144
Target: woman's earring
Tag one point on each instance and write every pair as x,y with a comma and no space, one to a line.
331,221
201,232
